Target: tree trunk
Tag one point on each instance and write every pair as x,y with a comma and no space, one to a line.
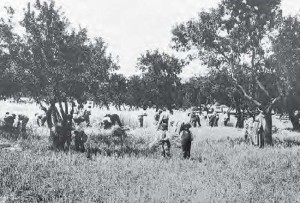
268,128
295,121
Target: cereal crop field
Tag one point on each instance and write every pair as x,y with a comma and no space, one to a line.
222,168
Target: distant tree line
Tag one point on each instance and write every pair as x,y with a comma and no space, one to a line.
251,50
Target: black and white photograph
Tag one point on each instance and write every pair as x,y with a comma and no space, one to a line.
162,101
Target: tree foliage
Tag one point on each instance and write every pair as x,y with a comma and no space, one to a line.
160,76
235,36
52,60
9,56
286,59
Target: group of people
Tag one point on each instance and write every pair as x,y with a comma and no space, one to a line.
15,122
254,129
164,123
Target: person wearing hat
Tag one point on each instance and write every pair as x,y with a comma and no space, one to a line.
165,140
186,139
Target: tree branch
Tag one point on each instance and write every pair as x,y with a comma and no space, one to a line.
272,103
249,97
261,86
279,89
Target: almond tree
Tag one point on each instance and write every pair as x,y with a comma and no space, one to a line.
9,56
58,64
160,77
286,59
235,36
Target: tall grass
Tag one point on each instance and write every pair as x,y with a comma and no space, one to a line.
223,168
220,171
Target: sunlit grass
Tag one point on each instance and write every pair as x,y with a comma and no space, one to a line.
223,168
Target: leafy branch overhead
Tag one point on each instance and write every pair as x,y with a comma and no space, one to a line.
55,60
235,36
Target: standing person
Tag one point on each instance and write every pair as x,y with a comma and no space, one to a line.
205,117
195,119
87,113
212,120
141,117
79,114
225,119
157,116
9,120
260,131
164,118
80,139
216,120
165,140
186,139
22,122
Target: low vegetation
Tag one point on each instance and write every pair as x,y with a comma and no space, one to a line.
223,168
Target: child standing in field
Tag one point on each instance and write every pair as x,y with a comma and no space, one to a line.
186,139
165,141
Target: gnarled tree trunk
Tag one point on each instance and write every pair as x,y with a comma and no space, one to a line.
268,128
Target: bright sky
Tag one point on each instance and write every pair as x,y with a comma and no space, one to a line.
130,27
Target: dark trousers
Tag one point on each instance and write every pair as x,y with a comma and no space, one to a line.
186,142
186,148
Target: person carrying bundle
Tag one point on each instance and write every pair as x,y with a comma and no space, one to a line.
164,119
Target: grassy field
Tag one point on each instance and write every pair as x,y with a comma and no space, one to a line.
223,167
